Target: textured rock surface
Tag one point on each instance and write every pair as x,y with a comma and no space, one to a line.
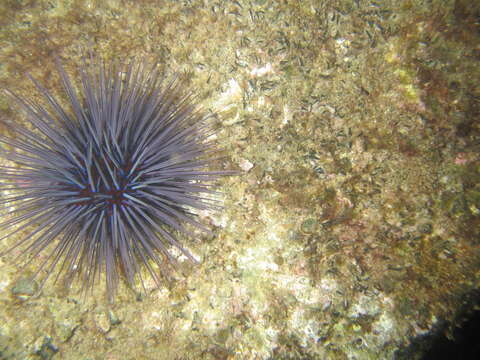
354,228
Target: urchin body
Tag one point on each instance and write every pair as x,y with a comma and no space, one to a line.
103,184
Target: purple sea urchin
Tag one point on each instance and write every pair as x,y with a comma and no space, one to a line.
104,182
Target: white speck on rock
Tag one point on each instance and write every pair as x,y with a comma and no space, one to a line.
328,284
231,95
261,71
245,165
365,305
384,329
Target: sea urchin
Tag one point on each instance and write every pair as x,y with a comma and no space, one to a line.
104,182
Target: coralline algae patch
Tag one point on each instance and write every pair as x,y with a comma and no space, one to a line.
245,296
262,297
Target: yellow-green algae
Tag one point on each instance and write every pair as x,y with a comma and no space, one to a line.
355,225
